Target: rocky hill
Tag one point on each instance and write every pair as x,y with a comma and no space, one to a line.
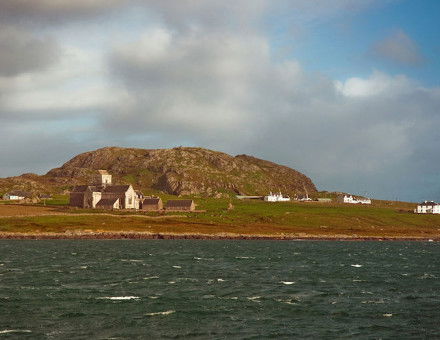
178,171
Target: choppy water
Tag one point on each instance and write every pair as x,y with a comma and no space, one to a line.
118,289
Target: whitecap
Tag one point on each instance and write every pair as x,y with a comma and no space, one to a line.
177,267
6,331
254,298
168,312
430,240
119,298
83,267
387,315
151,277
220,280
203,258
244,257
171,282
356,265
288,282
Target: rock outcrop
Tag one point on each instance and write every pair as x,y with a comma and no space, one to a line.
181,171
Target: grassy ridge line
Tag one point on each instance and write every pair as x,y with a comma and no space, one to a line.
248,218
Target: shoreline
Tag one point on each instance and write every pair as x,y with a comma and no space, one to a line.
172,236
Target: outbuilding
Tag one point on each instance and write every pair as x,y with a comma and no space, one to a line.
152,204
108,203
17,195
180,205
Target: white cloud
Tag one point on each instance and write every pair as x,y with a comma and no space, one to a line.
76,82
378,84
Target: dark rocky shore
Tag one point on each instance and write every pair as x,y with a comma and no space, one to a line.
159,236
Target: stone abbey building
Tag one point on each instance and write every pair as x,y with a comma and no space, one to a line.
104,195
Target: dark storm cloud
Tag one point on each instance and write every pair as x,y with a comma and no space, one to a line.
29,11
21,52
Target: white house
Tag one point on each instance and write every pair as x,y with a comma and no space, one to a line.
427,207
16,195
276,198
355,200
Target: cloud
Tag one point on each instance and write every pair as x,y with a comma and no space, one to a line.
203,73
73,85
399,48
23,52
53,10
378,84
224,91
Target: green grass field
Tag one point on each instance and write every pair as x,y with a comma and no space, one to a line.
381,219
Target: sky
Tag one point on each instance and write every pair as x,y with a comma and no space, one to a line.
345,91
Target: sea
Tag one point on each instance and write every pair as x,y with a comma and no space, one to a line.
228,289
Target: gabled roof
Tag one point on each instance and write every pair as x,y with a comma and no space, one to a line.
107,202
84,188
151,201
179,203
116,189
80,188
428,203
20,193
103,172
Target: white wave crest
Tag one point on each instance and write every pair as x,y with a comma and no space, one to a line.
6,331
151,277
356,265
288,282
168,312
119,298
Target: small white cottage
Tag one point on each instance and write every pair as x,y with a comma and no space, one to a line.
355,200
427,207
16,195
276,197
